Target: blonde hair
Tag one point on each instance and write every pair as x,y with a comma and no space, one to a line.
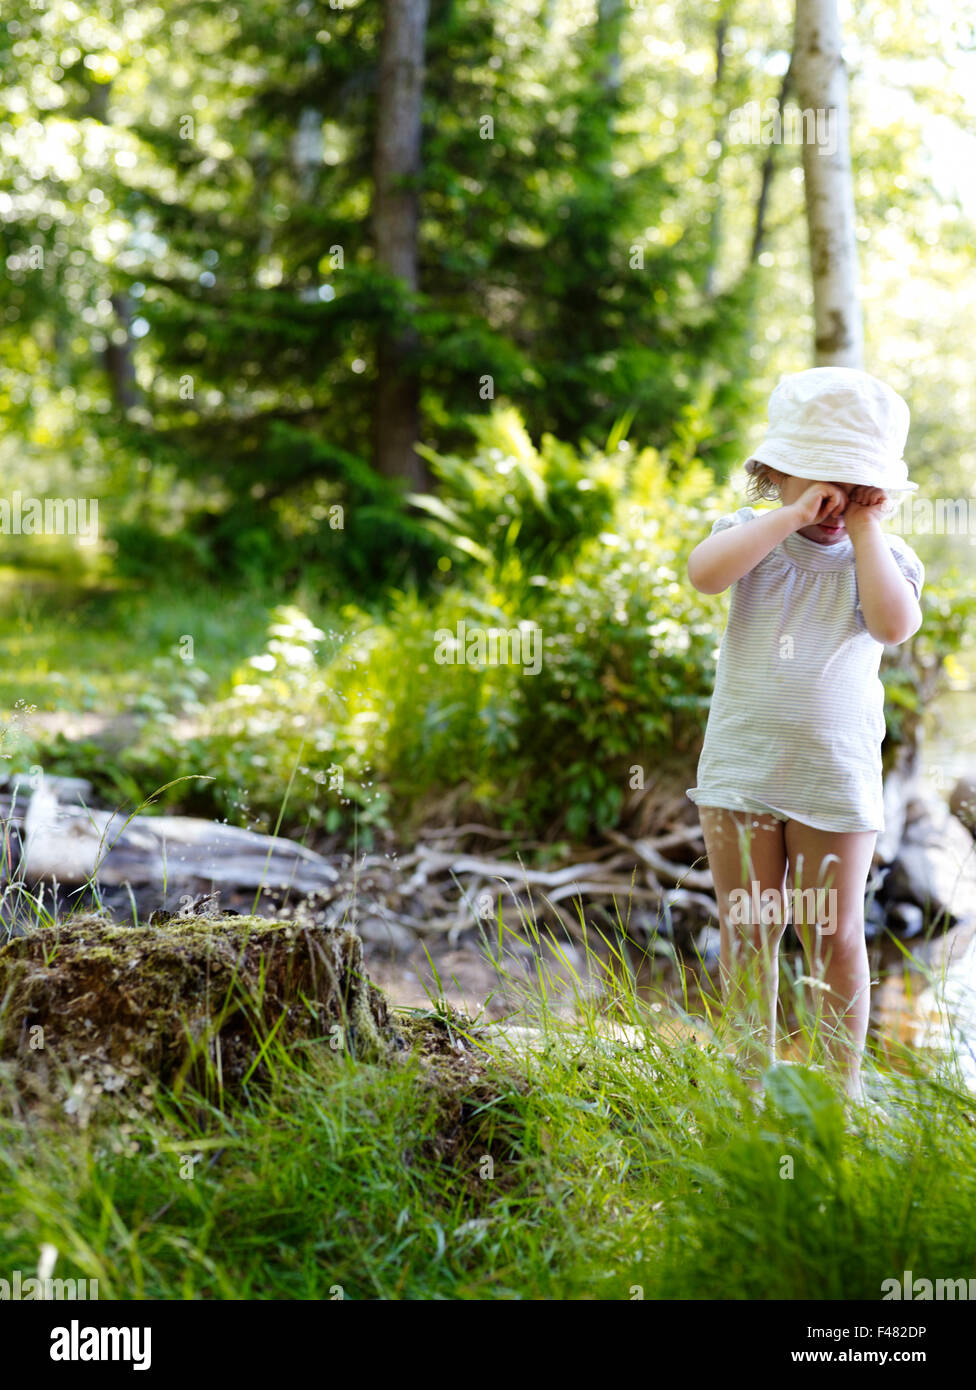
764,485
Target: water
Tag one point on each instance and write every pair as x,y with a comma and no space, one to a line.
947,1014
934,1009
948,749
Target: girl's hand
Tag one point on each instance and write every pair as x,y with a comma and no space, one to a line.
863,507
820,502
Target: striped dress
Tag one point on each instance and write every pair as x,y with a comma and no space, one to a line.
797,714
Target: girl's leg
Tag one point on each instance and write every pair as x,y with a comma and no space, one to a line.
747,851
838,954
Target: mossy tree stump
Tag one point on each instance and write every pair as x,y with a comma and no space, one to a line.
196,999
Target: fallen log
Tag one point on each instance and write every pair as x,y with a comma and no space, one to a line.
144,862
77,845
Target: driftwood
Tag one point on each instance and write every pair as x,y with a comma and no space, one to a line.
76,845
648,852
464,891
651,885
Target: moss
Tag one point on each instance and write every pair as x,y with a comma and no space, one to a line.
206,1000
476,1096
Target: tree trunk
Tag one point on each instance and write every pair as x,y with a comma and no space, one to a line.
118,356
395,217
820,81
715,225
609,21
766,181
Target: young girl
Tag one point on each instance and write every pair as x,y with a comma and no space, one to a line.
789,780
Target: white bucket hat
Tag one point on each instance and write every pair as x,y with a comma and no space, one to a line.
837,425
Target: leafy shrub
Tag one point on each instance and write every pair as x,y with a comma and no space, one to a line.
373,719
917,671
323,512
281,743
511,498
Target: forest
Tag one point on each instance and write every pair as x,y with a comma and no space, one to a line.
370,372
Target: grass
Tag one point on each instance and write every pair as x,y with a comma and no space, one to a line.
586,1165
133,661
74,646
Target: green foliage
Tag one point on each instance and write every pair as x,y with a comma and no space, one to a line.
917,671
318,514
390,716
379,716
590,255
509,497
224,355
145,552
284,743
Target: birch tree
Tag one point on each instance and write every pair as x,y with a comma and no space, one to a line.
820,83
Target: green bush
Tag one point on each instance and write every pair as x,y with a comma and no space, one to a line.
377,722
915,672
510,498
373,720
